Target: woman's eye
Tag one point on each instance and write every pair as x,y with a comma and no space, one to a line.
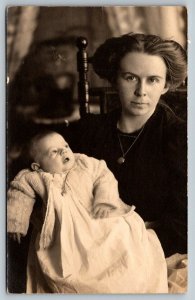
153,79
131,78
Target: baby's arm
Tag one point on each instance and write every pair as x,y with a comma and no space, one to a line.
106,196
21,199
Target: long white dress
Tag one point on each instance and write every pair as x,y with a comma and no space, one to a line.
87,255
72,252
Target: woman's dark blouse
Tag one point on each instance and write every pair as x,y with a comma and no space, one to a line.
153,177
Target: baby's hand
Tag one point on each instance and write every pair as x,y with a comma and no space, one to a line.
16,236
102,210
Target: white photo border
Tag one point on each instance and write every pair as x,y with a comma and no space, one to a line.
190,4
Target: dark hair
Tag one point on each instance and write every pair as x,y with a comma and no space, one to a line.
107,58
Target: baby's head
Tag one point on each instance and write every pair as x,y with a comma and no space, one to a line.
51,153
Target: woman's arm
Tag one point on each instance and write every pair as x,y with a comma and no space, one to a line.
172,228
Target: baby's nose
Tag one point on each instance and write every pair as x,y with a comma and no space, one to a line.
63,151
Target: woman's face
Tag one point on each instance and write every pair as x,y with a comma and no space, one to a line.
140,83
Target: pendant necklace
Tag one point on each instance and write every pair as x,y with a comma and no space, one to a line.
121,159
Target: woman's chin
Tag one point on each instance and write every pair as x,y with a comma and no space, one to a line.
138,112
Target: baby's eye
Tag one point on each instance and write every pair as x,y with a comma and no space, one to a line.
54,152
66,146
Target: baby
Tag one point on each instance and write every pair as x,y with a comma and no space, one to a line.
88,240
52,154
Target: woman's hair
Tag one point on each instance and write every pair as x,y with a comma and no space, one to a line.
107,58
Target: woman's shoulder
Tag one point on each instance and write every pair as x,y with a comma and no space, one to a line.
91,130
95,119
170,121
174,135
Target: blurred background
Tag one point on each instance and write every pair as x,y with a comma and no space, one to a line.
42,73
41,49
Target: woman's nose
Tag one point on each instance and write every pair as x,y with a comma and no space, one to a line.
140,89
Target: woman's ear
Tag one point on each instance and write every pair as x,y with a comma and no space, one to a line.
166,88
35,166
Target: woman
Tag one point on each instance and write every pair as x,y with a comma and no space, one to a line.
143,142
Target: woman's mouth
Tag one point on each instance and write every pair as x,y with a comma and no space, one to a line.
139,104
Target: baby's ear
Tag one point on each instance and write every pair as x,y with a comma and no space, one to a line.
35,166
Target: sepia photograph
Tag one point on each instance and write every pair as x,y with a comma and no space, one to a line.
96,150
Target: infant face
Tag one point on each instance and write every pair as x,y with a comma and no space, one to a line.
53,154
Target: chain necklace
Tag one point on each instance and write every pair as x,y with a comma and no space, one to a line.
121,159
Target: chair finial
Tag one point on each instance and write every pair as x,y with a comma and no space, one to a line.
82,42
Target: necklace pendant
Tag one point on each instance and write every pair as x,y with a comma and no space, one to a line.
120,160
